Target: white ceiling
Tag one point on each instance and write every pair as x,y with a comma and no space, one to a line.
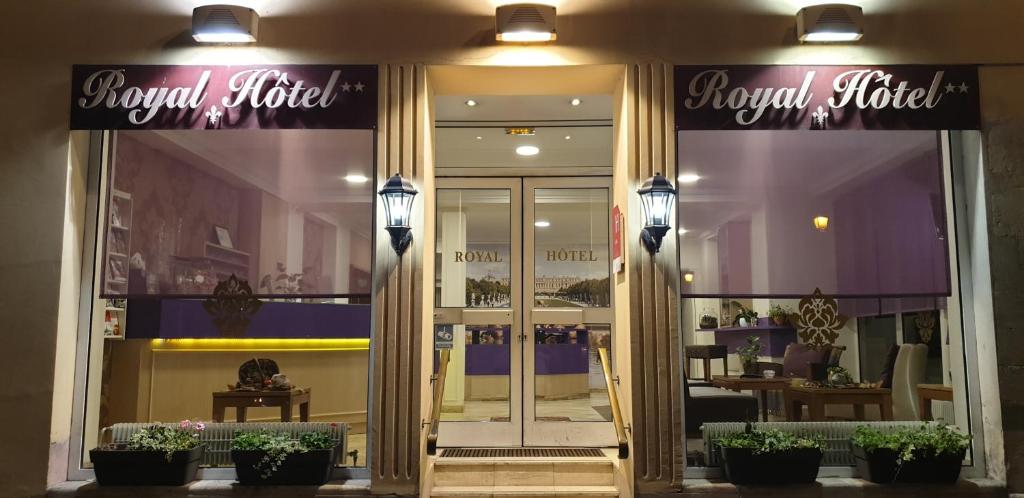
306,168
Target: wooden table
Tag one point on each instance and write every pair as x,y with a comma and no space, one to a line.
928,392
817,397
761,384
241,400
706,352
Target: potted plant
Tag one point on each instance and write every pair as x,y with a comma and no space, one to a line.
925,454
748,355
708,321
770,456
156,455
746,317
267,457
779,314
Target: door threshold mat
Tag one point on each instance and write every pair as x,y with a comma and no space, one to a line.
522,453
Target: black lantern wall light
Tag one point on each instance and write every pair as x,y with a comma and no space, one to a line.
398,195
657,195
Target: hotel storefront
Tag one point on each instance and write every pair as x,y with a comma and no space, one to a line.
244,249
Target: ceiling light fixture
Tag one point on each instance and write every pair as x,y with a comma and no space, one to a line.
830,23
682,231
568,137
224,24
575,101
471,103
525,23
688,178
821,223
527,150
478,137
356,178
525,131
542,224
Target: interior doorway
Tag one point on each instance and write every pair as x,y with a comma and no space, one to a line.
522,294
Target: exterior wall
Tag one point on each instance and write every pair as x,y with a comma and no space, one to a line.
43,38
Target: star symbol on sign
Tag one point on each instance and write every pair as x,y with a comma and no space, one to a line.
950,87
963,87
345,86
360,86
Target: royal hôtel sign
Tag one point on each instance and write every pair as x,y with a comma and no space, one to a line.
903,97
119,97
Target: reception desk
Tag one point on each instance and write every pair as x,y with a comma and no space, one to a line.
561,371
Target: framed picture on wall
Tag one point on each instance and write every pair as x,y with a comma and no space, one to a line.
223,236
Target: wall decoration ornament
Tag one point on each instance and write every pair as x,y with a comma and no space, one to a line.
232,306
925,322
818,320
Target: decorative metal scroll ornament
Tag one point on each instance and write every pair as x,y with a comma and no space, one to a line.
925,322
232,306
818,321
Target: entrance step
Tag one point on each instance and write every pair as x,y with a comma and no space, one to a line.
524,491
463,476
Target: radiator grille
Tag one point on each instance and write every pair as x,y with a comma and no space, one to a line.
522,453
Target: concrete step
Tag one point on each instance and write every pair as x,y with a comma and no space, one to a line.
524,471
524,491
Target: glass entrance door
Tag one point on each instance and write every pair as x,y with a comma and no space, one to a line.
523,300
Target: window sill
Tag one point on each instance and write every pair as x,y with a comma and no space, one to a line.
209,488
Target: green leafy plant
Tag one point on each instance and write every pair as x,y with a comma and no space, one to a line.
779,314
769,441
744,312
750,352
278,446
911,443
185,437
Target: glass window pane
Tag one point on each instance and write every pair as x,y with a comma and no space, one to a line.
474,239
571,267
478,378
569,379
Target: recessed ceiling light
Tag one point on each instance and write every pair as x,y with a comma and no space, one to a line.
682,231
356,178
688,178
568,137
478,137
575,101
527,150
471,103
542,223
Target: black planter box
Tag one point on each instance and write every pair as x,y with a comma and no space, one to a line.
117,467
742,466
879,466
311,467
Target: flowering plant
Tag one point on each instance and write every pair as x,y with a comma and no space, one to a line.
185,437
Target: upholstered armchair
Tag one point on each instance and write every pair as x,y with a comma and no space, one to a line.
704,403
908,372
798,358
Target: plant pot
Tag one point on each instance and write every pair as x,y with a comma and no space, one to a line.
779,320
743,466
879,466
311,468
750,369
119,467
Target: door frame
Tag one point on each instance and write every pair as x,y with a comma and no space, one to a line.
489,433
523,429
558,433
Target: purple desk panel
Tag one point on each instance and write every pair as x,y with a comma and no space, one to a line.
553,359
186,318
773,337
488,359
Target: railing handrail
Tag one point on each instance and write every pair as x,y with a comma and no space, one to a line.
435,408
613,399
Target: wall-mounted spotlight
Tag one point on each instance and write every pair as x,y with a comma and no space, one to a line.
398,195
657,195
830,23
224,24
688,276
525,23
821,223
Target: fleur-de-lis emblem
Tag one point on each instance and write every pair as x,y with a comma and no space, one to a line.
214,114
820,118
